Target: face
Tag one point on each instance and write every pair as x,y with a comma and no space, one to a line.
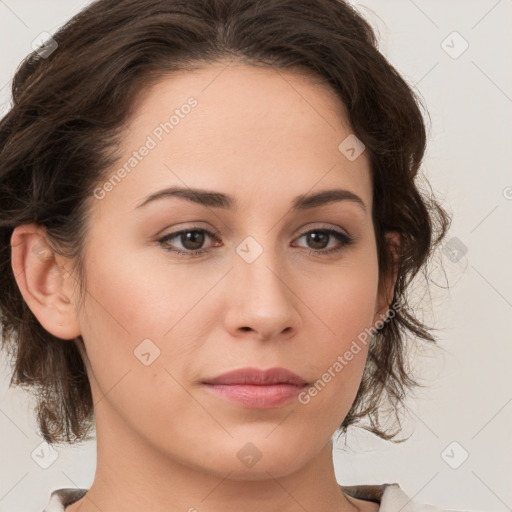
180,291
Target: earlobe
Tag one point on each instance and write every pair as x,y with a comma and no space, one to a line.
43,281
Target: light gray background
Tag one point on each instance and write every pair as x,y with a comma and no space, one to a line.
469,383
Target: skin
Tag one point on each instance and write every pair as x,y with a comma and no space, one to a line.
163,442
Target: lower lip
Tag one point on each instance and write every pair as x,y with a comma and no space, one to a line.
256,396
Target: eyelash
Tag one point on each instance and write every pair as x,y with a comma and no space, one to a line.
341,237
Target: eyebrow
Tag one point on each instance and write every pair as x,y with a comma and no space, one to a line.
214,199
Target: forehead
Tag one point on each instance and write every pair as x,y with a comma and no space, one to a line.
221,126
258,99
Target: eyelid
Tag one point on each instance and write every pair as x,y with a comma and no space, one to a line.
299,232
320,227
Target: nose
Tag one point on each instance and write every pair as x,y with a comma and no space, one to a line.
263,301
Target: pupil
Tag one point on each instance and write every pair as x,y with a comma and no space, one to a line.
316,236
196,237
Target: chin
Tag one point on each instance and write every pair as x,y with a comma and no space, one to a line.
260,458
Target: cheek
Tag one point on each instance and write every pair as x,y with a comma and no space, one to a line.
131,299
130,359
133,311
345,301
344,304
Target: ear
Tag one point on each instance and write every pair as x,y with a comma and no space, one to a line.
387,282
44,281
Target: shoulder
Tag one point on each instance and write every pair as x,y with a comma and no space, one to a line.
61,498
390,497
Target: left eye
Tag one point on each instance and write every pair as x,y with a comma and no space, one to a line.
322,236
192,241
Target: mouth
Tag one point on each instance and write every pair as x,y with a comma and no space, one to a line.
255,388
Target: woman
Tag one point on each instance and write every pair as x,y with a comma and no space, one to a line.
209,223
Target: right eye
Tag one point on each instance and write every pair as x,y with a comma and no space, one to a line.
194,242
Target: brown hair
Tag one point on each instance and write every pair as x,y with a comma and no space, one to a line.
69,106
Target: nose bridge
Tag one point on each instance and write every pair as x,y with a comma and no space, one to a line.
258,265
264,299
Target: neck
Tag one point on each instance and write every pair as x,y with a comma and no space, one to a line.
133,475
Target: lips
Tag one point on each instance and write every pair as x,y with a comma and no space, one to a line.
254,388
256,377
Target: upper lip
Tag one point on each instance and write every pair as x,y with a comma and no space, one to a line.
255,377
